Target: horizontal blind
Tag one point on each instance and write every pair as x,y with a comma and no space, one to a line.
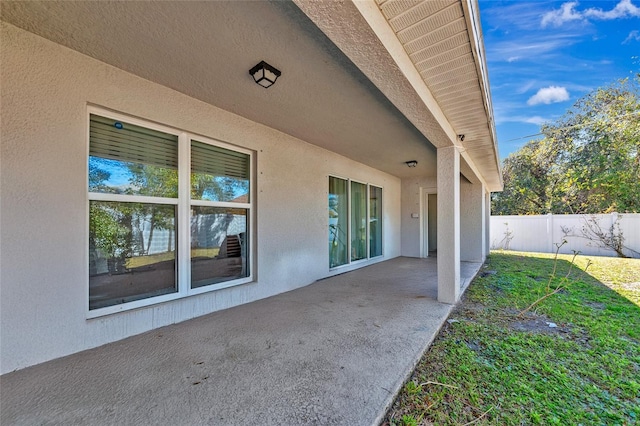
131,143
216,161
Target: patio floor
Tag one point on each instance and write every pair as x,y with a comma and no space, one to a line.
334,352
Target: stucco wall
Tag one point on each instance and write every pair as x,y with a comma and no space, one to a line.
411,193
44,276
471,221
470,217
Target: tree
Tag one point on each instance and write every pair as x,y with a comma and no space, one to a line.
156,181
587,162
532,180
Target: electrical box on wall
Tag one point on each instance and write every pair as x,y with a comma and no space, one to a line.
415,215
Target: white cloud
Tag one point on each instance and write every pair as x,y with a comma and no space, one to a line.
525,87
548,95
558,17
529,46
537,120
624,9
568,12
633,36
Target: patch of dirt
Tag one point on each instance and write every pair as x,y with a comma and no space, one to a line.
537,325
534,323
596,305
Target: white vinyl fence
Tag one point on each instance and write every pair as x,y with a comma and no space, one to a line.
542,233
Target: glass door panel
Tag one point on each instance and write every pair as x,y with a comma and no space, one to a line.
358,221
338,222
375,221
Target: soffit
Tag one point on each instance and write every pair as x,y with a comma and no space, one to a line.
427,57
444,42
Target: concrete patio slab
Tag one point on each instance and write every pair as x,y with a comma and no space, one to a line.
334,352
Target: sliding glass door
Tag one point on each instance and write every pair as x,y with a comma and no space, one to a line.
338,222
355,221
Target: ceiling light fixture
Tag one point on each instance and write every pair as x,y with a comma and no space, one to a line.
411,163
264,74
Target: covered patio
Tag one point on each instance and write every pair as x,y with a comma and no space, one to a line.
334,352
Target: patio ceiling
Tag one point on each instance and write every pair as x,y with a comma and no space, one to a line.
369,108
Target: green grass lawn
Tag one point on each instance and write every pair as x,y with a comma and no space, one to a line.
490,366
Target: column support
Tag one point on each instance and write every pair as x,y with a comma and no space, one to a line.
487,223
448,224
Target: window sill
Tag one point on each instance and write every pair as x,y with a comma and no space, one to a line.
154,301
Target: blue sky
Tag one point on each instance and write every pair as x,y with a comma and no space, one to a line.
544,55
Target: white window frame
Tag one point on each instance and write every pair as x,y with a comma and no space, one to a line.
183,216
368,258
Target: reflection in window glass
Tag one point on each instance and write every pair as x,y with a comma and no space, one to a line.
358,221
132,252
132,160
219,245
338,222
218,174
375,221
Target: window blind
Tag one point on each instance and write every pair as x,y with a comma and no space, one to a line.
117,140
216,161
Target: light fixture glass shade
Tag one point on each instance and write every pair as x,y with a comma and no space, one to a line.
264,74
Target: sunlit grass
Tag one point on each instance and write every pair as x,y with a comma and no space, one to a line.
488,366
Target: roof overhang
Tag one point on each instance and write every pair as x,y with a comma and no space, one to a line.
381,83
427,57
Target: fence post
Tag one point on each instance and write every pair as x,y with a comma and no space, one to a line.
614,219
550,232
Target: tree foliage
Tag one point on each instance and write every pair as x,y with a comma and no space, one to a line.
587,162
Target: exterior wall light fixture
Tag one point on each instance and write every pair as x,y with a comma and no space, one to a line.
411,163
264,74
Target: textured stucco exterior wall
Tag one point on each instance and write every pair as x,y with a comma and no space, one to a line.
411,193
471,221
448,225
44,286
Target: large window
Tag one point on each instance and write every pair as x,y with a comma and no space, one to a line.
169,215
219,214
355,221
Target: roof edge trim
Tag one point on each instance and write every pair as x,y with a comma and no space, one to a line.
472,15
